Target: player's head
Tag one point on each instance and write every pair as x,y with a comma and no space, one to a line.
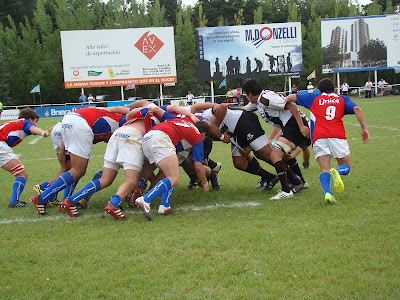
326,85
202,126
28,113
252,86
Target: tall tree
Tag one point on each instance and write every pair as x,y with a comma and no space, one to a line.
4,81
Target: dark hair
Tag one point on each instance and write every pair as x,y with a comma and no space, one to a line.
252,86
326,85
28,113
202,126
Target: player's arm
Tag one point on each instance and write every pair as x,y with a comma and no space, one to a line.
198,158
220,111
123,110
296,114
201,106
291,98
274,132
180,110
38,131
360,117
137,104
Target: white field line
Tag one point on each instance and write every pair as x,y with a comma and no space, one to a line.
35,140
373,126
375,137
64,216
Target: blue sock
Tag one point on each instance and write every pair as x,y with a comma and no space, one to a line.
61,183
18,187
161,187
343,169
142,183
325,180
69,190
97,175
88,190
44,185
165,197
115,200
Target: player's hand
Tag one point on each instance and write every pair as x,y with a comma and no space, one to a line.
227,138
47,132
365,135
245,151
305,131
206,188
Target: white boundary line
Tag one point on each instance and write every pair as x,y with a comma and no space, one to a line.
35,140
64,216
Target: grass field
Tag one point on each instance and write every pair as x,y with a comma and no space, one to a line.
231,244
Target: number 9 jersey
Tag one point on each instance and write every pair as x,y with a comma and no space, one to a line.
328,110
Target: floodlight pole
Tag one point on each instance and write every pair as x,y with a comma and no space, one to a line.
376,82
338,83
122,93
289,84
161,96
212,91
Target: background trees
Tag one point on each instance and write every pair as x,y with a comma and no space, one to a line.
30,48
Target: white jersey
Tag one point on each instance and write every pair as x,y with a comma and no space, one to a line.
271,107
230,120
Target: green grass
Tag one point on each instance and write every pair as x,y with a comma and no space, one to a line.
232,244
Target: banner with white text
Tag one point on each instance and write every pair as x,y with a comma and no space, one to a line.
249,51
117,57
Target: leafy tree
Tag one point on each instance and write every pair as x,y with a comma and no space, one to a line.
17,9
374,51
258,15
4,81
171,9
330,55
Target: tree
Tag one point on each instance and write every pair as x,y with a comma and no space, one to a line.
330,55
4,81
171,9
374,51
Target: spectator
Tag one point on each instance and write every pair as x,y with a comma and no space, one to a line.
345,88
82,98
381,86
295,89
90,98
1,108
238,95
190,98
368,88
310,87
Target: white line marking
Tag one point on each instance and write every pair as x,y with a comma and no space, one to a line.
63,216
35,140
372,126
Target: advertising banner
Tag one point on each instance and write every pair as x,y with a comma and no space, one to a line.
9,114
117,57
249,51
57,111
360,43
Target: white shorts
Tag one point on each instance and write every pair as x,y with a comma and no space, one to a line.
255,145
6,153
124,149
336,148
157,145
56,137
77,135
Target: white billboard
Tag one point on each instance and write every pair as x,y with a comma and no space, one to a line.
117,57
360,43
246,51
